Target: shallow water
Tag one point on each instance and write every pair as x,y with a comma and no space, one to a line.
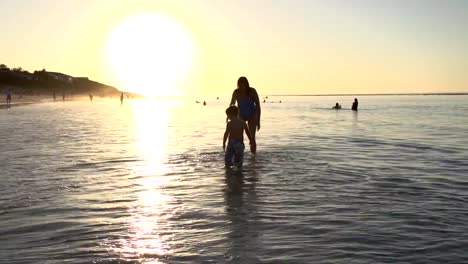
145,183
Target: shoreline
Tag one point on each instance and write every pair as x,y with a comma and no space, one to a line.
17,101
24,100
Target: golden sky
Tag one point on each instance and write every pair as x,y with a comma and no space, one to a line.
283,47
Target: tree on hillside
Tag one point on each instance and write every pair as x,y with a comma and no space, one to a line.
3,67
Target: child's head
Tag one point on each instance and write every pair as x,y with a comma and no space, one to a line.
232,111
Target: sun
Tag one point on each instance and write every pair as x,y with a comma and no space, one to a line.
150,54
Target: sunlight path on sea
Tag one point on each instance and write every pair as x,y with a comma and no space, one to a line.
148,217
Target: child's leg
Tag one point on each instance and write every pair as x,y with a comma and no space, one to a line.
239,153
229,155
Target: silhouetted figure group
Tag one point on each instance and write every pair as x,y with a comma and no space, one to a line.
354,107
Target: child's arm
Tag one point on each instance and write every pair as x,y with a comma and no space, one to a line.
247,131
226,134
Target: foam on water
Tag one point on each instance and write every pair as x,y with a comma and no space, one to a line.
145,182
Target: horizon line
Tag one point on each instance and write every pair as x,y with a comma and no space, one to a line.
374,94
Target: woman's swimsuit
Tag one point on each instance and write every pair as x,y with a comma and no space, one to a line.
247,108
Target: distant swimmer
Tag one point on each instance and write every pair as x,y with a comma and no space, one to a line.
217,98
197,102
235,128
121,98
204,102
355,105
8,98
337,106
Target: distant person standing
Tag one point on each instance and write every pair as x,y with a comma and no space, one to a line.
249,107
8,98
91,98
63,96
121,98
355,105
54,96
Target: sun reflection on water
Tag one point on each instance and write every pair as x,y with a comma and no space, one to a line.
147,239
151,121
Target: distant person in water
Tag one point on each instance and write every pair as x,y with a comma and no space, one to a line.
121,98
91,98
54,96
337,106
204,102
234,153
8,98
63,96
355,105
249,107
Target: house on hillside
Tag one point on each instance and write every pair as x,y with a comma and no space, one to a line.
60,77
80,79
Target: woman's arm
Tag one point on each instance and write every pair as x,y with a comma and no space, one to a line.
259,109
233,98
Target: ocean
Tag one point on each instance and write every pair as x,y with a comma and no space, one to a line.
145,182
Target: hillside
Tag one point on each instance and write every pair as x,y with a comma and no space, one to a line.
45,83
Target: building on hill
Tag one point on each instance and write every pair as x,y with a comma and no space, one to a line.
79,79
61,77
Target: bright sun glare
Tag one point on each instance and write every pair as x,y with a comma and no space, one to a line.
150,54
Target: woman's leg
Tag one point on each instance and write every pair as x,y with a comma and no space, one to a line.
252,123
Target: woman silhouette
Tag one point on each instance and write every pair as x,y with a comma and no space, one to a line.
249,107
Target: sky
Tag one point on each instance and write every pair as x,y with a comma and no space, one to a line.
282,46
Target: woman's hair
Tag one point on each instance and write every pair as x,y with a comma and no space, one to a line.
242,81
